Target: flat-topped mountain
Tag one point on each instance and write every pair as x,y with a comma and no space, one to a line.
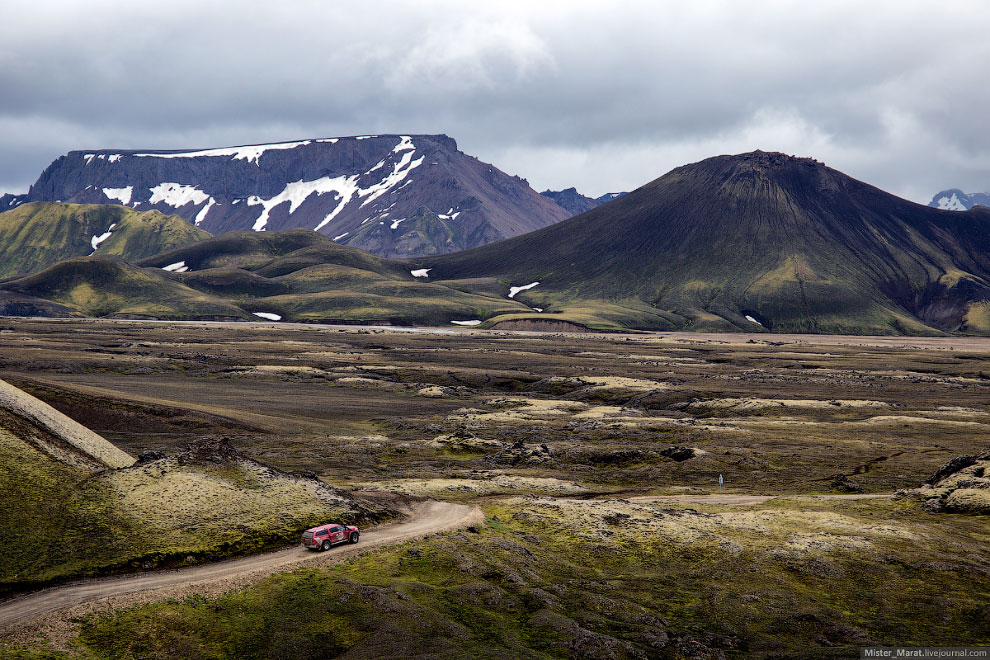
748,242
393,195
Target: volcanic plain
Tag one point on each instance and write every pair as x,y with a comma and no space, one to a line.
596,459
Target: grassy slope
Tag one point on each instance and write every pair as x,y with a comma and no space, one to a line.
37,235
788,241
58,522
62,521
304,276
109,286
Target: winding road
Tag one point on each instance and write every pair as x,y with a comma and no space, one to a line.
427,518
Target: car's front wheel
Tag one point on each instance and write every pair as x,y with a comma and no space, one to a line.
354,537
325,546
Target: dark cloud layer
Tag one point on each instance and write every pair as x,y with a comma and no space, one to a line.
601,95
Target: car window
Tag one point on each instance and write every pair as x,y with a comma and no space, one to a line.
322,532
337,529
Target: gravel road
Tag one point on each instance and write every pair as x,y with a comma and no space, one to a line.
427,518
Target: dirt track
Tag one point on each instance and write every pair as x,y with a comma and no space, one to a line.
428,518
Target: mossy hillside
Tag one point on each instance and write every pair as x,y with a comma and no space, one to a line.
237,503
272,254
303,276
37,235
109,286
330,292
230,283
58,521
538,581
62,521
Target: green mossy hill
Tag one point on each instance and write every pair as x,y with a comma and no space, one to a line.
57,520
272,254
109,286
303,276
40,234
65,519
789,242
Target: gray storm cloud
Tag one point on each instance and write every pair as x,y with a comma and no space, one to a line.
600,95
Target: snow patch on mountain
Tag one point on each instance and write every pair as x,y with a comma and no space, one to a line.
203,211
399,171
177,194
122,195
251,153
422,272
513,290
111,158
271,316
96,240
471,322
177,267
297,192
951,203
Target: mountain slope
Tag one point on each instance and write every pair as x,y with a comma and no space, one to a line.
749,242
956,200
389,194
37,235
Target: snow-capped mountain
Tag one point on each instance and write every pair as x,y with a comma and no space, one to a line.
575,203
956,200
393,195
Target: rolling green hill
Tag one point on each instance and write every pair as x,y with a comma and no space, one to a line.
294,275
791,244
37,235
109,286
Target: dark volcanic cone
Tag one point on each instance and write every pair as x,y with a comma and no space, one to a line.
788,242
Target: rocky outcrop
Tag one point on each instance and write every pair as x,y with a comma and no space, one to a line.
521,453
393,195
962,485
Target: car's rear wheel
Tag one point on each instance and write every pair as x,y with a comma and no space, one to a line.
325,546
354,537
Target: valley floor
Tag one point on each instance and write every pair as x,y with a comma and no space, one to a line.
596,460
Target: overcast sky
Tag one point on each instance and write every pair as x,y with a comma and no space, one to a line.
603,96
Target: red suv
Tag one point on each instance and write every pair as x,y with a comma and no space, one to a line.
324,536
